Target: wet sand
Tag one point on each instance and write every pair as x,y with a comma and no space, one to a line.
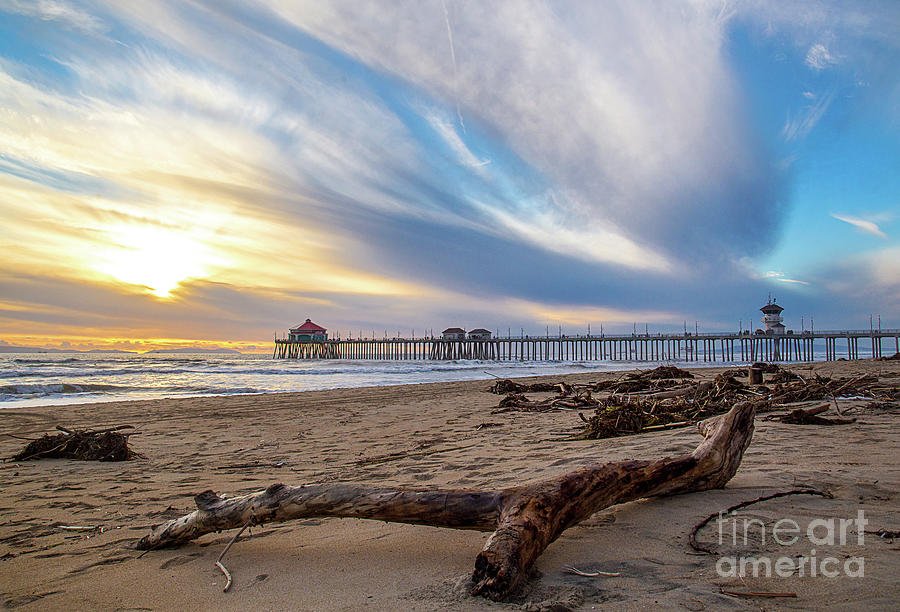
240,444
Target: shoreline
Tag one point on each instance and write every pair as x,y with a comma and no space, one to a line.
582,368
242,443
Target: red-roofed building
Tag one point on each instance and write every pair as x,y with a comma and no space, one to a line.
308,332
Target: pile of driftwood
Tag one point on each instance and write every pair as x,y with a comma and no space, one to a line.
85,445
667,397
819,388
621,415
507,386
570,397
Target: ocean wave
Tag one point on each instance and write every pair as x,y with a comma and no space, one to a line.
57,389
54,388
33,360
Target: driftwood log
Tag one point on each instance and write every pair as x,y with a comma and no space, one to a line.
524,520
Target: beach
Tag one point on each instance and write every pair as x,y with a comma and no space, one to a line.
440,435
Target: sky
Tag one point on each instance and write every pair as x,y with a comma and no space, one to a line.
195,173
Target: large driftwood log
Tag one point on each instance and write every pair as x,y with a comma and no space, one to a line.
524,520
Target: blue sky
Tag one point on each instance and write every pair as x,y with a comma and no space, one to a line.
217,171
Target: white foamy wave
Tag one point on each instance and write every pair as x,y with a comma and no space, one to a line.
84,377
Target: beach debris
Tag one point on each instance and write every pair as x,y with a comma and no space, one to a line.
507,386
809,416
487,424
219,563
80,527
633,413
692,539
250,465
756,593
737,372
881,406
574,570
894,357
85,445
663,372
766,368
823,388
569,398
524,519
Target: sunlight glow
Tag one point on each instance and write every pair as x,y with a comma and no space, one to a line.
156,258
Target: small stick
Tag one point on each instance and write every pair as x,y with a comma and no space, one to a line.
574,570
755,593
219,560
692,540
666,426
78,527
489,374
836,407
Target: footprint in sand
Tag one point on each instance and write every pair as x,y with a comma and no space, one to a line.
21,600
179,560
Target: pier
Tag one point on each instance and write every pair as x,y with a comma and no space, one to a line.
703,347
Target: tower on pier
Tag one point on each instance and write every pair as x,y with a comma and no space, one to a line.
772,318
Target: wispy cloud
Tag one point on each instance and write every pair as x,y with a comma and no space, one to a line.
781,278
819,58
55,10
800,125
863,225
587,182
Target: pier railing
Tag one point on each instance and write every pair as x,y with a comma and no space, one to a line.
706,347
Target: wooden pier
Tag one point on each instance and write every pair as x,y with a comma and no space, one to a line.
724,348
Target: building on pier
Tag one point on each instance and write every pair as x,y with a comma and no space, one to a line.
454,333
772,318
308,332
479,334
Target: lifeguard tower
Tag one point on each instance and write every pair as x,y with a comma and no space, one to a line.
772,318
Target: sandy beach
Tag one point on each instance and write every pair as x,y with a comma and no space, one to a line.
426,435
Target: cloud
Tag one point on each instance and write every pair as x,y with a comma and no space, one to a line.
819,58
54,10
867,227
631,139
799,126
781,278
866,282
313,154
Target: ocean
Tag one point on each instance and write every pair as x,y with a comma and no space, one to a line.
32,379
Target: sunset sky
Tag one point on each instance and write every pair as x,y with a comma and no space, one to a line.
181,172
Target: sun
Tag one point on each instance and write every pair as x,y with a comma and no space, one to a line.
156,258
